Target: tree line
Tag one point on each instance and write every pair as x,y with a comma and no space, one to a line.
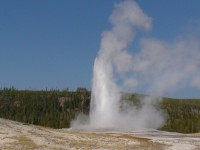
53,108
56,108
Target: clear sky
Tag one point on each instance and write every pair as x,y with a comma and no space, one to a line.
53,43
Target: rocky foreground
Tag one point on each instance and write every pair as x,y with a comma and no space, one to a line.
19,136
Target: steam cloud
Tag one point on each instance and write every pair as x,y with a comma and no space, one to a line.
158,67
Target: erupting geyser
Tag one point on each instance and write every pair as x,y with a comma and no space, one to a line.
157,68
113,59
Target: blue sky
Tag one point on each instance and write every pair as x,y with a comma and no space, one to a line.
53,43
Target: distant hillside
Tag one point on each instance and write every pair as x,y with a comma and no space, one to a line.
55,108
52,108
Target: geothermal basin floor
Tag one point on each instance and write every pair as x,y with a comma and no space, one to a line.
19,136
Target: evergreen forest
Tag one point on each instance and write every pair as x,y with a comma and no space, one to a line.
56,108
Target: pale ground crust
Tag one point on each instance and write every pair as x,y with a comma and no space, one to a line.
19,136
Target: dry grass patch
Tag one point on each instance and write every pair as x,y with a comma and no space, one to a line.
26,142
3,133
133,137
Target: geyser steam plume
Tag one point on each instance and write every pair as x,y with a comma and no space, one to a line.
112,59
158,67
